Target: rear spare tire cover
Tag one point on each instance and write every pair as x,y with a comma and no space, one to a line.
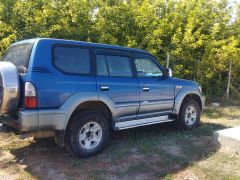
9,88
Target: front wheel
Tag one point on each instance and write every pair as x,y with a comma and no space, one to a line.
87,134
189,115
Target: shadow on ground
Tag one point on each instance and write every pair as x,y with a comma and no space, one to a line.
140,153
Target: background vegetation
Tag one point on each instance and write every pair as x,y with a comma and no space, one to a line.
200,38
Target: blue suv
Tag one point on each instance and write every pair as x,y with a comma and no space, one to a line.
78,91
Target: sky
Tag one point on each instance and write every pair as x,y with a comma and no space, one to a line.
234,16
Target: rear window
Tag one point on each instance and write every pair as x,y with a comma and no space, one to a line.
72,59
19,55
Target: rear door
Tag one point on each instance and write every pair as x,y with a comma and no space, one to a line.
156,90
116,83
19,54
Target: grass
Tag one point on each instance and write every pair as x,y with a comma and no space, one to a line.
151,152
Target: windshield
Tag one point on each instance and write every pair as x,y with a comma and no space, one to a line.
19,54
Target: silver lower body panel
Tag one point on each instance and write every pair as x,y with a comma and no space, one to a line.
34,120
142,122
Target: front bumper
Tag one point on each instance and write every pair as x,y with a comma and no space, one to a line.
35,120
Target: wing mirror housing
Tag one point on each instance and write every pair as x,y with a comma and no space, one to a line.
168,72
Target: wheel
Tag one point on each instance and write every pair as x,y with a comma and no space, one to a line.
189,115
87,134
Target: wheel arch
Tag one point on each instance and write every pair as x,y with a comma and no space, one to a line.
183,97
97,106
194,97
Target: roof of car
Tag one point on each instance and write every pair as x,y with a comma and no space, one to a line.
63,41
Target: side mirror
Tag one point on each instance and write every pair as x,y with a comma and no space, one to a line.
168,72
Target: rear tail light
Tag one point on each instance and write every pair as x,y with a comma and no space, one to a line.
30,100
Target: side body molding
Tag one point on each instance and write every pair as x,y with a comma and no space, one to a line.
182,94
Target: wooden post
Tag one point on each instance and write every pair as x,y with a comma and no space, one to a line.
168,55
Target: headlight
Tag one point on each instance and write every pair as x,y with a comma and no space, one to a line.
200,88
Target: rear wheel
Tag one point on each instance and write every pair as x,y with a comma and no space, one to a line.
87,134
189,115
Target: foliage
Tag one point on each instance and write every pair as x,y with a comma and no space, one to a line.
201,36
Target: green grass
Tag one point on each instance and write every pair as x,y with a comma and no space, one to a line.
153,152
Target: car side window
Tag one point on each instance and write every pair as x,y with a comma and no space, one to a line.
72,59
146,67
102,69
115,66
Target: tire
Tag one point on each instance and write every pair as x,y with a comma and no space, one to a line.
9,88
90,126
189,115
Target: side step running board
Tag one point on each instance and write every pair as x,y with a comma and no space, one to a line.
142,122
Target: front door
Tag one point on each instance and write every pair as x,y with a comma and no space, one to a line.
156,90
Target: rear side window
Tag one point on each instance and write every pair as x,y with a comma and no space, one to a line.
102,69
19,55
72,59
118,66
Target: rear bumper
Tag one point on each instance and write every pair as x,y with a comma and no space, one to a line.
35,120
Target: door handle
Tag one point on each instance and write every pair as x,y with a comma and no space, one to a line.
145,89
104,88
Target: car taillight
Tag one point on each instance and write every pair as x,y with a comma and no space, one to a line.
30,100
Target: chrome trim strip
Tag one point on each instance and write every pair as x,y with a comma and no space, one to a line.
126,104
142,122
155,102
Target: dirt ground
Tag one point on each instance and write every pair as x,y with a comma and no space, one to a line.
152,152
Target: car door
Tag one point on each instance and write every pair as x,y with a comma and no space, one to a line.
156,90
116,83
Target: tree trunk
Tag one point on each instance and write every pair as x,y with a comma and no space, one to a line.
166,4
168,55
229,79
